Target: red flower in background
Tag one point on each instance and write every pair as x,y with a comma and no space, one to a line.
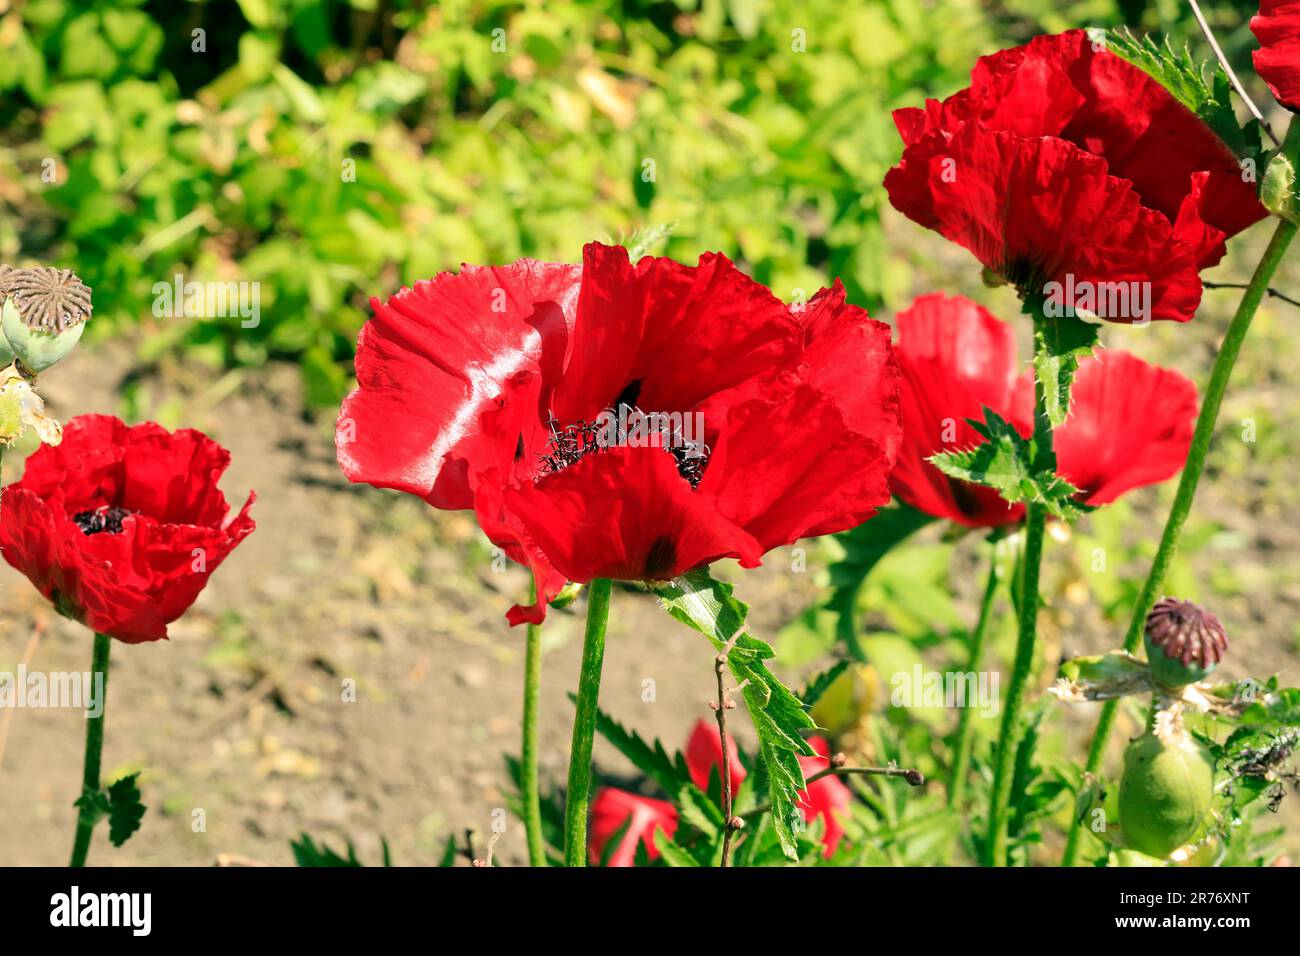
704,756
481,389
827,799
120,527
1130,423
1277,61
612,809
1059,160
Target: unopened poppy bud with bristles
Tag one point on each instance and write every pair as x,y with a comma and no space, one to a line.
1184,642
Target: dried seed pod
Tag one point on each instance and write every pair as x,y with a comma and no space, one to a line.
1184,642
45,313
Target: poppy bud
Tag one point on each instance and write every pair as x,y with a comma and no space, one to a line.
1165,791
44,314
1184,642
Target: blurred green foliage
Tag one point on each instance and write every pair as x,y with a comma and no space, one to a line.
332,150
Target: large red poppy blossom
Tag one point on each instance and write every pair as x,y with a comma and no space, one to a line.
120,527
1277,61
1064,164
481,389
826,799
1130,423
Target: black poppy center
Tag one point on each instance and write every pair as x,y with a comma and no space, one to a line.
623,424
103,520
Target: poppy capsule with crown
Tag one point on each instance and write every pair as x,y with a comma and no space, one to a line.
44,314
1184,642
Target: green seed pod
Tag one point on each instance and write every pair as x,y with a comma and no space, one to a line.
44,314
1165,791
1184,642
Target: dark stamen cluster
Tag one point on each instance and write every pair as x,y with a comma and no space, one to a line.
1186,632
100,520
571,444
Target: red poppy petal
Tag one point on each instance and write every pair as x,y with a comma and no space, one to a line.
666,334
1041,210
828,798
1277,27
434,358
788,466
1130,425
172,476
704,755
848,358
626,513
956,359
612,808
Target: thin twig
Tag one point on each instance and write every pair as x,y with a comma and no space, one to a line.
720,707
1272,293
1223,62
492,845
469,845
837,768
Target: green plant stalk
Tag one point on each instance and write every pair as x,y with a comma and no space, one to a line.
528,782
962,747
584,724
1192,469
995,846
88,816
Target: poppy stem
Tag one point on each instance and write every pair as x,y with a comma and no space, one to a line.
962,747
995,846
528,784
720,671
89,813
584,724
1195,465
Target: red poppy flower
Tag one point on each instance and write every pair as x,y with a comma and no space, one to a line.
1277,61
612,808
120,527
1062,164
489,389
1130,423
827,799
704,755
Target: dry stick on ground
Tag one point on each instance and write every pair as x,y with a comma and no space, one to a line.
720,707
28,654
1223,62
1271,293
